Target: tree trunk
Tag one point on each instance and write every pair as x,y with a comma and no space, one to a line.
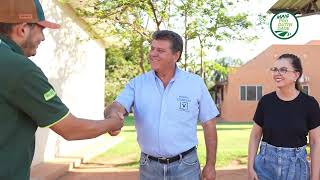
202,63
141,55
201,58
154,14
185,39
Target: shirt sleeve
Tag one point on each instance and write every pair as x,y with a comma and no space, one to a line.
126,97
34,95
314,115
258,117
207,108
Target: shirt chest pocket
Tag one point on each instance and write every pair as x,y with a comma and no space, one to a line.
184,106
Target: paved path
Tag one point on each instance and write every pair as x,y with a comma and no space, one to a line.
102,173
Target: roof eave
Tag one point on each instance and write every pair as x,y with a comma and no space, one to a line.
297,7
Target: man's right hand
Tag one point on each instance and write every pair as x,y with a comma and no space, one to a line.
115,110
115,121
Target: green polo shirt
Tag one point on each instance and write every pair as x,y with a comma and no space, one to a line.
27,100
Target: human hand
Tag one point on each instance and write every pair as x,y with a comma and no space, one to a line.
252,175
114,133
208,172
115,122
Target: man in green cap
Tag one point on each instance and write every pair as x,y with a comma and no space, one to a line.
27,100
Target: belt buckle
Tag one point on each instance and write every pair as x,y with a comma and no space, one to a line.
164,159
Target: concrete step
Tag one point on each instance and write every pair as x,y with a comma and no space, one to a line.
58,167
50,170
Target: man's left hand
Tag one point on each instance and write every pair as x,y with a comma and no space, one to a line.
208,172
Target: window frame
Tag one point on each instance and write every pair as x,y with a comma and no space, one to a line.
246,92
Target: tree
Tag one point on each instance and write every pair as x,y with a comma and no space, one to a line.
132,18
186,9
120,68
206,24
217,71
213,22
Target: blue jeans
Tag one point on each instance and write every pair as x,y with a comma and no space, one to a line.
187,168
278,163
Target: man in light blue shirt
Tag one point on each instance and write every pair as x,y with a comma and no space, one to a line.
167,104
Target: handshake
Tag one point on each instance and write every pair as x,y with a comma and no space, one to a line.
114,118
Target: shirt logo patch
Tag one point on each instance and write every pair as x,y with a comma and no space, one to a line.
49,95
183,103
184,106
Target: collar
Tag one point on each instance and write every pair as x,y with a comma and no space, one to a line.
8,43
176,74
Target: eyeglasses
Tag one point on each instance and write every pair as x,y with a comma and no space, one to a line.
282,70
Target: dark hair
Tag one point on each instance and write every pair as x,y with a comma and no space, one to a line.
174,38
296,64
6,28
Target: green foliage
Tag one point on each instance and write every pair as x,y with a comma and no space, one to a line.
121,66
212,23
217,71
208,23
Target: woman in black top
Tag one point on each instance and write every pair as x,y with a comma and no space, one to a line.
283,119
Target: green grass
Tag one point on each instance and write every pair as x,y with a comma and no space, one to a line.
232,146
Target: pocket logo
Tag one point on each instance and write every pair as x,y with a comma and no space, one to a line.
183,103
184,106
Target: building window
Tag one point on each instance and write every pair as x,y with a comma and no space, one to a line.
259,92
243,93
305,89
250,93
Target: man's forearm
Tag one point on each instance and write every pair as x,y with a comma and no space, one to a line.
73,128
87,129
210,136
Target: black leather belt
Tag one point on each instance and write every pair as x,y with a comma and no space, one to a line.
164,160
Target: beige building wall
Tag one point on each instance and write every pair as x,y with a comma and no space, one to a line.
256,72
74,65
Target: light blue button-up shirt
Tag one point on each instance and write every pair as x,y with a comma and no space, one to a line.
166,118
